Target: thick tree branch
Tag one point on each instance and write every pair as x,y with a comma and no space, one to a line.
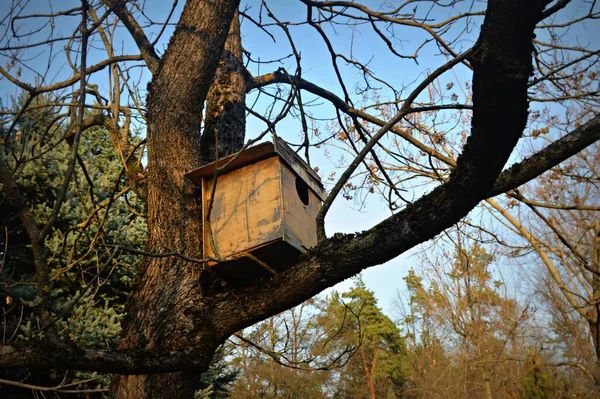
225,115
165,309
549,157
108,361
559,5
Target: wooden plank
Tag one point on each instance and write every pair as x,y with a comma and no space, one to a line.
247,208
251,155
256,154
300,224
278,254
301,168
204,227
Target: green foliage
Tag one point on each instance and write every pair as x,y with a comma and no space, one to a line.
205,393
324,343
537,384
381,358
90,281
79,250
216,381
90,218
542,382
91,325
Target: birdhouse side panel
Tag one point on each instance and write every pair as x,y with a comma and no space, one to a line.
247,210
300,207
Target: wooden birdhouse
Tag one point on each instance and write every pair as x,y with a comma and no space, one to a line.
265,204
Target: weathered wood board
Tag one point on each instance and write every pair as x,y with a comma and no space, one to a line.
300,227
247,209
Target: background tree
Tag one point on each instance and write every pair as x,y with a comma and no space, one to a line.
379,367
556,219
89,282
467,313
471,338
340,346
288,355
180,312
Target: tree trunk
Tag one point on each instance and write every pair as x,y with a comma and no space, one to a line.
168,385
225,122
168,312
594,326
368,373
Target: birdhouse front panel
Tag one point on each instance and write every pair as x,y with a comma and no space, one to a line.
247,209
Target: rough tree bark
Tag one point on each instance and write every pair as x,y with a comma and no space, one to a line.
167,312
225,121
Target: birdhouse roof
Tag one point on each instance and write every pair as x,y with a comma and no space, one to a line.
257,153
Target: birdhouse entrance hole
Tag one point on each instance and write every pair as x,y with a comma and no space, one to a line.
302,190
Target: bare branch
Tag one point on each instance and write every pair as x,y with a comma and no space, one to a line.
146,48
548,158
